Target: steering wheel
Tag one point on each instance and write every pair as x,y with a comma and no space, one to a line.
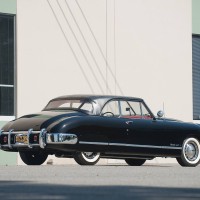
111,114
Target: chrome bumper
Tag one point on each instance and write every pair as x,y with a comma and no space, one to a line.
44,139
61,138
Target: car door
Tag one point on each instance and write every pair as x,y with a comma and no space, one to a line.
114,126
143,131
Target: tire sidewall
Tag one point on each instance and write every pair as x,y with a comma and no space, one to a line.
135,162
185,160
33,158
92,160
81,159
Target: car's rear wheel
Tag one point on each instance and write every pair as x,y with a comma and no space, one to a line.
33,157
190,156
135,162
86,158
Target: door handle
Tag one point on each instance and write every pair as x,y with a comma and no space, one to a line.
129,122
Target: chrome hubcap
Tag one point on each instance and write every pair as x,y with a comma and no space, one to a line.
191,151
90,155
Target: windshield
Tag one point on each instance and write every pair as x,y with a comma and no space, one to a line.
73,104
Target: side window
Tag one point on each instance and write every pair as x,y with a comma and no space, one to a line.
111,109
126,109
136,107
130,109
87,106
145,112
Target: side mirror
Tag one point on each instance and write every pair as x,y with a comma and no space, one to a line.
160,113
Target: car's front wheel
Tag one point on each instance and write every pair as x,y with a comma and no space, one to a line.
86,158
33,157
190,155
135,162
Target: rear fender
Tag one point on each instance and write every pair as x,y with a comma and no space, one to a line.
71,124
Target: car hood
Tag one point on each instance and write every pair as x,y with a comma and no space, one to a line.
39,120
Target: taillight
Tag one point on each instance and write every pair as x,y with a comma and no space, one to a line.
35,138
5,139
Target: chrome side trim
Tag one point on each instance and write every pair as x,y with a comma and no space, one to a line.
144,146
61,138
93,143
135,145
123,157
130,145
170,147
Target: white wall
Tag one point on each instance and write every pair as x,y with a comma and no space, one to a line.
153,52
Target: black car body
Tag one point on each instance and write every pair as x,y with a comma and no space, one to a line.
90,127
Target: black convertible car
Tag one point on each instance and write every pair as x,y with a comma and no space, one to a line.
89,127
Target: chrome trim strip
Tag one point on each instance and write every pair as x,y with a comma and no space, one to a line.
171,147
9,139
93,143
135,145
61,138
130,145
3,85
123,157
144,146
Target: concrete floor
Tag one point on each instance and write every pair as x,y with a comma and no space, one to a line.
112,181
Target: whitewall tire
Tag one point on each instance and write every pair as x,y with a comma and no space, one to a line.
86,158
190,155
